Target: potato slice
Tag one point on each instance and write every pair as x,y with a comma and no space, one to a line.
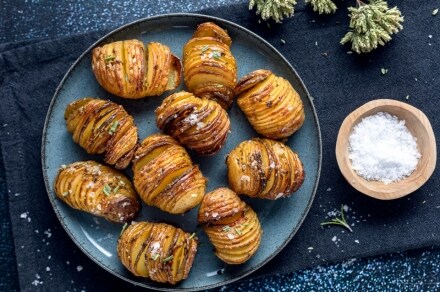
98,189
232,226
157,251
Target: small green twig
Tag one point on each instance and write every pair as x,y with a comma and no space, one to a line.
339,221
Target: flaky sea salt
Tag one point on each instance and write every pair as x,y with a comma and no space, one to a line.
382,148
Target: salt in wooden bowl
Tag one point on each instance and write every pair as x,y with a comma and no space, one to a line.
419,126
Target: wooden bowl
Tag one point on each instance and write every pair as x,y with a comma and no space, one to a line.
420,128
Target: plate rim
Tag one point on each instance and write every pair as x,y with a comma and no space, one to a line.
205,18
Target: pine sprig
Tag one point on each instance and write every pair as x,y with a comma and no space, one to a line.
372,25
339,221
323,6
273,9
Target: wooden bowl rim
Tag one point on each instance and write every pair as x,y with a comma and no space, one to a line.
389,191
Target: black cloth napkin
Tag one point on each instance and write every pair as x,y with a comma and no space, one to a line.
339,83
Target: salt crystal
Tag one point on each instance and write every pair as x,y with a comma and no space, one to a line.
383,149
47,269
200,125
192,119
230,236
79,268
334,238
357,241
245,178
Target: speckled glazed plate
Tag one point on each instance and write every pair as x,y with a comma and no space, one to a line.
280,219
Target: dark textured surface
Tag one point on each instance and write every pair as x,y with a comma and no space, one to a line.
416,77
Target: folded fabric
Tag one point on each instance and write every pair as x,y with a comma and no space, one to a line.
339,82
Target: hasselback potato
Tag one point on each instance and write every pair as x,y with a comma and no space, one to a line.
97,189
129,70
157,251
209,67
101,126
165,177
270,103
264,168
200,124
231,225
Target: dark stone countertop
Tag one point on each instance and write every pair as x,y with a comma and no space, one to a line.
24,20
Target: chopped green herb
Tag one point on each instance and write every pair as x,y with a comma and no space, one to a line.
109,58
107,190
204,48
123,228
238,231
434,12
113,127
226,228
384,71
115,190
192,235
216,55
167,259
155,257
339,221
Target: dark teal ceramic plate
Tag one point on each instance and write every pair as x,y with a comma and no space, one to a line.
280,219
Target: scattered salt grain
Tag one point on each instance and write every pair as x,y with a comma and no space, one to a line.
79,268
47,269
357,241
329,189
334,238
383,149
200,125
245,178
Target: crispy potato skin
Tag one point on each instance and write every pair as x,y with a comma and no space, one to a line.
231,225
101,126
210,69
129,70
270,103
264,168
157,251
200,124
165,176
81,185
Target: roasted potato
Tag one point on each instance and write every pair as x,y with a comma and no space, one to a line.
97,189
165,176
231,225
157,251
270,103
101,126
265,169
209,67
200,124
128,70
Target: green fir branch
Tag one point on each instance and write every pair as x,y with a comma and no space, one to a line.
372,25
273,9
323,6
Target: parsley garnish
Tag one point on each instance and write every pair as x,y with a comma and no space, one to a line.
109,58
238,231
226,228
113,127
155,257
192,235
204,48
168,259
216,55
107,190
